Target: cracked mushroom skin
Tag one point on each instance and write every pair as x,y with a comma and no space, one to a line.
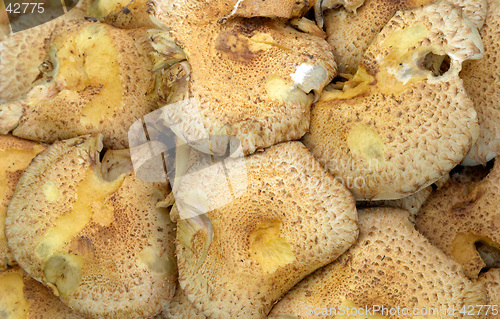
398,126
15,155
124,14
491,279
97,78
481,81
254,79
26,298
91,232
350,34
461,215
391,265
239,258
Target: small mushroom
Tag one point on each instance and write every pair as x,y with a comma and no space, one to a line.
491,279
124,14
15,155
462,215
27,298
391,266
397,127
253,79
481,80
90,231
287,218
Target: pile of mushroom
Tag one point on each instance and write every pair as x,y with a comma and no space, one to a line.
251,159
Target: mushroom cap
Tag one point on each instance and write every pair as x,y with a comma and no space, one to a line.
397,127
237,258
459,215
481,80
15,155
88,90
124,14
350,34
91,231
250,78
180,307
491,279
271,9
21,54
27,298
392,265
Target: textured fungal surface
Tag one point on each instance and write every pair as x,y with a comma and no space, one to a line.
124,14
391,265
491,279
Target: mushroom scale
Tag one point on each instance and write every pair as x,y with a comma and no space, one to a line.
15,155
481,82
391,265
287,218
90,231
460,215
491,279
396,127
254,79
180,307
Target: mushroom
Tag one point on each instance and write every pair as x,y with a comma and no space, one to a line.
462,215
27,298
15,155
397,127
391,266
250,79
125,14
350,34
491,279
181,308
90,231
481,80
249,229
97,78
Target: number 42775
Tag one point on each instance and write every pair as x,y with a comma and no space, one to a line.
25,7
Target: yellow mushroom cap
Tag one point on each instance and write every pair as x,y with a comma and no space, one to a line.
15,155
392,265
397,127
91,231
180,307
237,258
124,14
459,215
249,78
26,298
481,80
491,279
97,78
350,34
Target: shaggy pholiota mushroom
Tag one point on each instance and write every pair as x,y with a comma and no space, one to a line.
90,231
125,14
237,259
23,297
392,265
15,155
491,279
181,308
254,79
460,216
397,127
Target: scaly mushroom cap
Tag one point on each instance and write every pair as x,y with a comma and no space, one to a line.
27,298
97,79
250,78
397,127
460,215
287,218
125,14
21,54
271,9
91,232
481,82
350,34
392,265
15,156
491,279
181,308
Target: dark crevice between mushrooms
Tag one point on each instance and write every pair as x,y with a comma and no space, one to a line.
437,64
466,174
490,254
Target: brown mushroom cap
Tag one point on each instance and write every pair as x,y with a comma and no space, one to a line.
350,34
124,14
481,80
97,79
397,127
250,78
491,279
180,307
392,265
27,298
287,218
91,232
15,155
459,215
